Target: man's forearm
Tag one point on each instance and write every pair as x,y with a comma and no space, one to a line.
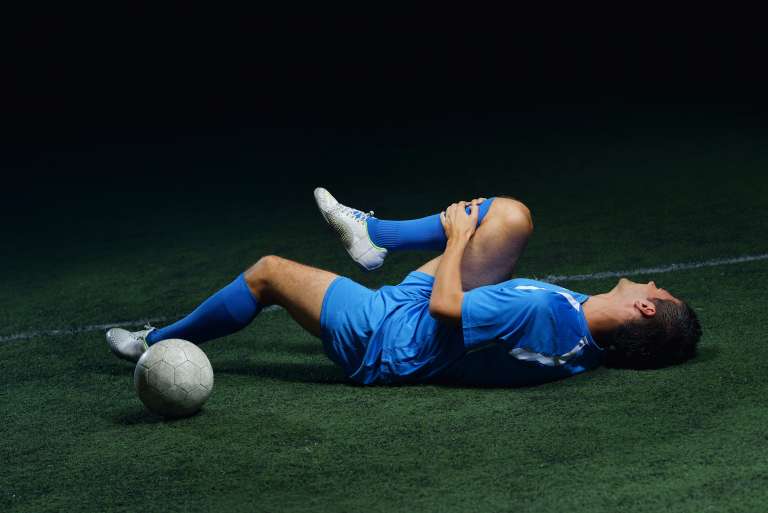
447,293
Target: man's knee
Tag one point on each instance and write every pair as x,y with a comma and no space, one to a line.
257,276
513,215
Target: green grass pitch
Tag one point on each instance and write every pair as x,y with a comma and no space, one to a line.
283,431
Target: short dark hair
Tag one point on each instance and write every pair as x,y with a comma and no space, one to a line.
669,337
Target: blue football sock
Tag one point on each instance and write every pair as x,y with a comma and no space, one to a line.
228,310
426,233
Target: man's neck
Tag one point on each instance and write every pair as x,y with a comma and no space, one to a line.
602,317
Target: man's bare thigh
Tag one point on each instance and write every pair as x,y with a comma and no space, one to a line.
298,288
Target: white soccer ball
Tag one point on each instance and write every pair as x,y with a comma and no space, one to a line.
173,378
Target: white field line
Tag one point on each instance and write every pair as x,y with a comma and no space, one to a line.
657,270
97,327
554,278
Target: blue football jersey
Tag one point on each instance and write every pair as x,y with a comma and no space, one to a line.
523,332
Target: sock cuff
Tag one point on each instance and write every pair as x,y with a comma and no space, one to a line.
384,234
240,301
152,336
241,281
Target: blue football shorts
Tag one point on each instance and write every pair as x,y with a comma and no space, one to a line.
385,335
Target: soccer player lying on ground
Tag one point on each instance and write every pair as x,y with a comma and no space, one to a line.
458,319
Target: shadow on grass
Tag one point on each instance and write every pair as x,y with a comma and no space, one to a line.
705,354
293,372
300,348
137,416
116,369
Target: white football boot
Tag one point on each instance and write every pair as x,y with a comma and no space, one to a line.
128,345
351,226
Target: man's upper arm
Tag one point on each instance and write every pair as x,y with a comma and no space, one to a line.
447,309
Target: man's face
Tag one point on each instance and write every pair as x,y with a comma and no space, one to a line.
631,290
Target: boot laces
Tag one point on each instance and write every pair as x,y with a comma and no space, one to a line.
354,214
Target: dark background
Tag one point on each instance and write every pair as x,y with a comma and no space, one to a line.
144,100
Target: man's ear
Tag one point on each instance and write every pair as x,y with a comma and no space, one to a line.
646,307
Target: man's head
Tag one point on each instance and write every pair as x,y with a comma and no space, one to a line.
656,329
